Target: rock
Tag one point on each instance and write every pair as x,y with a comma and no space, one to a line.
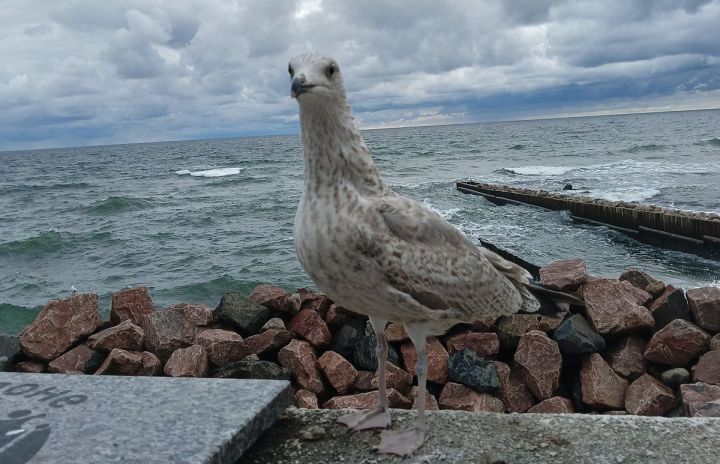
514,394
338,370
299,357
511,328
274,323
174,327
335,317
431,403
437,358
364,356
305,299
554,405
394,378
566,275
647,396
670,305
700,399
31,367
273,298
715,343
705,307
614,307
312,433
568,187
485,344
626,357
245,315
126,336
9,345
123,362
655,288
637,278
601,387
469,368
675,377
60,325
459,397
79,360
310,325
131,304
677,343
267,342
363,381
248,368
223,346
306,399
707,369
188,362
343,342
484,325
368,400
395,333
538,363
576,336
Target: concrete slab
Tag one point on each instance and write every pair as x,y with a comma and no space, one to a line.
464,437
96,419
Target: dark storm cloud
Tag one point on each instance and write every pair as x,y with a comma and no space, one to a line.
83,71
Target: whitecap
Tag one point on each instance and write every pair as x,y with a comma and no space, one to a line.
540,170
215,172
629,194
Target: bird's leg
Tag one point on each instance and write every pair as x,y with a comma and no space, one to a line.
379,417
404,442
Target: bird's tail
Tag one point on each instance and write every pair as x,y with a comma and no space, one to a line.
552,302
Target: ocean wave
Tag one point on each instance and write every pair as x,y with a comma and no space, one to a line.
518,146
15,318
642,148
37,187
215,172
713,142
112,205
536,170
629,194
48,242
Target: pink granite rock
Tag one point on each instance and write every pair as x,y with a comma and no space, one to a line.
30,367
338,370
122,362
79,360
647,396
306,399
700,399
267,342
459,397
431,403
601,387
705,307
126,336
273,298
273,323
174,327
188,362
437,358
554,405
223,346
538,363
615,307
131,304
485,344
396,333
368,400
511,328
60,325
677,343
671,304
707,369
305,299
299,357
514,394
335,317
310,325
564,275
626,357
363,381
394,378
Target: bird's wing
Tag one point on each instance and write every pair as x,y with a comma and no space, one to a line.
430,260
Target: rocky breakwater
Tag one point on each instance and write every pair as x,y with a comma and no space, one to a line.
638,347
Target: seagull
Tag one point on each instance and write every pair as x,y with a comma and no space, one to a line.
380,254
73,290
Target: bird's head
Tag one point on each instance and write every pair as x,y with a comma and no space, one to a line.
315,76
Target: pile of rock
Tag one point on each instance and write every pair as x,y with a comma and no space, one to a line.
639,347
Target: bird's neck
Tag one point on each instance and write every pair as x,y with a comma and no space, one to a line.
334,150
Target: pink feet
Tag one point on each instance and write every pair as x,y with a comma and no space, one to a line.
402,442
363,420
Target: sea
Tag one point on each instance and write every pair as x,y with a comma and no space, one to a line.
191,220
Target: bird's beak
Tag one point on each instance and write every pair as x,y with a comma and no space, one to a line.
299,86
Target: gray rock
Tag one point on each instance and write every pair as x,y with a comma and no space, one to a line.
576,336
670,305
364,357
715,342
469,368
250,368
244,314
98,419
673,378
9,345
343,341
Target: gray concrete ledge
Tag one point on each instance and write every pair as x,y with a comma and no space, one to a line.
463,437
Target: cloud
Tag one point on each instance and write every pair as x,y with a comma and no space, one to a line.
83,72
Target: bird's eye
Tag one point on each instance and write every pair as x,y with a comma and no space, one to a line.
291,70
330,70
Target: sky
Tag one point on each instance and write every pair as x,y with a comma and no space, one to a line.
89,72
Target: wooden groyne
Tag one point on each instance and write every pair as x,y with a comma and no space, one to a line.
686,231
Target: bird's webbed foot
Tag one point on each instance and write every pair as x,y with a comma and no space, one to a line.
363,420
401,442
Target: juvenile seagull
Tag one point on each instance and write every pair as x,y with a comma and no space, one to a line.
378,253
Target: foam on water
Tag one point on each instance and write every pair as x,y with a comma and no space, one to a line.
215,172
630,194
538,170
